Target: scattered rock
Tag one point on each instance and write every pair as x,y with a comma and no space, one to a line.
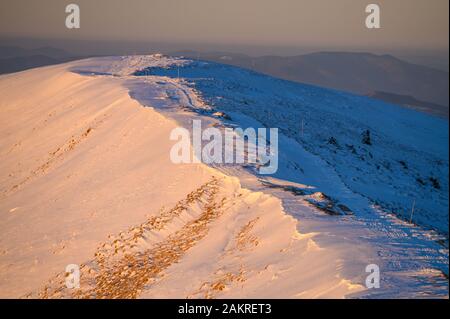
289,188
366,137
333,141
328,205
222,115
420,181
434,181
403,163
351,148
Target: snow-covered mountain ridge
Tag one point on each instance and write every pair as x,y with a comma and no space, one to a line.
86,178
404,162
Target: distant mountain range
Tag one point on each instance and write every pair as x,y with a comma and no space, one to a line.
14,52
411,102
401,82
383,77
14,59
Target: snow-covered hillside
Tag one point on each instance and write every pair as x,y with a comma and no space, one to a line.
86,178
404,160
324,152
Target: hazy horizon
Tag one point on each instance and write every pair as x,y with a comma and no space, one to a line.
433,58
405,24
410,29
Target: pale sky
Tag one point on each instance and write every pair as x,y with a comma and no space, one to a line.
408,24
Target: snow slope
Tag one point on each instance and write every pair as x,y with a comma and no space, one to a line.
372,181
85,178
406,162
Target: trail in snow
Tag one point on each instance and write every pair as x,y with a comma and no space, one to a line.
227,238
413,262
405,160
111,201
